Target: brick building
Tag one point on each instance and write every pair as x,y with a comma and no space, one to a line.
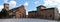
44,13
18,12
32,14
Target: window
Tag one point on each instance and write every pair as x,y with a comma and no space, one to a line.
50,16
36,15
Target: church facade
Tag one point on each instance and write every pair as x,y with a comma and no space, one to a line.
18,12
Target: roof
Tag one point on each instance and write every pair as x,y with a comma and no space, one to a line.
32,11
42,10
16,8
48,8
41,6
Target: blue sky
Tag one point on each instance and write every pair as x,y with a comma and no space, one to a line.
30,5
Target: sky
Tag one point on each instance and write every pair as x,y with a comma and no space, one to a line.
30,5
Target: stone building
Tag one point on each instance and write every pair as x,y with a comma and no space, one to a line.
18,12
44,13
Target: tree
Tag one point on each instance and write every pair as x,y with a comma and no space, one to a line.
4,14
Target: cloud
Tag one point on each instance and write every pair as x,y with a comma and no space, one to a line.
5,1
36,2
55,3
1,7
26,4
12,4
50,2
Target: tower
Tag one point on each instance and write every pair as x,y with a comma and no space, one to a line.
41,7
39,10
6,6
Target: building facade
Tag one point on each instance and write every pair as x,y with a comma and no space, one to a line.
32,14
44,13
18,12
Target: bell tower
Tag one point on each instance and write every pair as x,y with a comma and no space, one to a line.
6,6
